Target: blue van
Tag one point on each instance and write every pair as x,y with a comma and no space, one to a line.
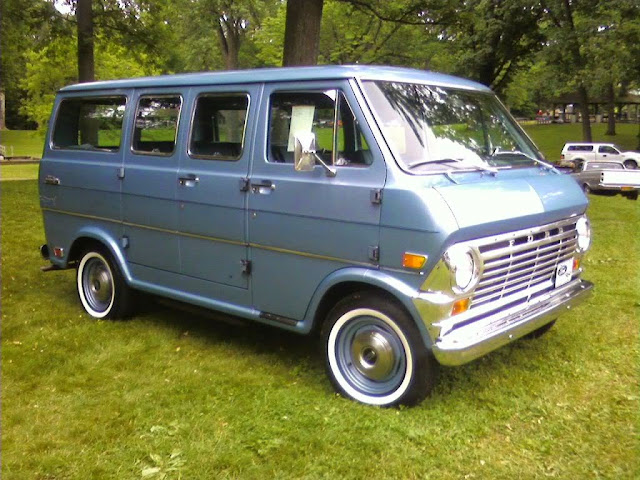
401,215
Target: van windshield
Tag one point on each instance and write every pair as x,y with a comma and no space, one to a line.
433,129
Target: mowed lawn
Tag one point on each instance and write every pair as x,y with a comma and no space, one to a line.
171,395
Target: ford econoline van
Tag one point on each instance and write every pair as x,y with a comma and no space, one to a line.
401,215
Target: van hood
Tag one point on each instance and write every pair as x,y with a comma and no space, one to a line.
546,197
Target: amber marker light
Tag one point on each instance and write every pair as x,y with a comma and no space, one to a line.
576,264
413,261
460,306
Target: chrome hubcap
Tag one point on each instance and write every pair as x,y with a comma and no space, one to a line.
98,285
373,354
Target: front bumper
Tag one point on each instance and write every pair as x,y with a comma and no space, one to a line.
475,338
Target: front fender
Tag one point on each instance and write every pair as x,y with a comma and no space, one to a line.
378,279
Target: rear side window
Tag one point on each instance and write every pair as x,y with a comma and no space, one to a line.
90,123
156,124
218,126
580,148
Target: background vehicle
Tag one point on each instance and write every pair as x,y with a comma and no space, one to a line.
574,152
607,177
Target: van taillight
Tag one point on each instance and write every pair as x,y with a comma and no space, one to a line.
562,156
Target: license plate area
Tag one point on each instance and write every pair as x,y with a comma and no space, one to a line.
564,271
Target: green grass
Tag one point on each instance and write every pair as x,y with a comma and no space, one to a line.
552,137
25,143
172,394
18,171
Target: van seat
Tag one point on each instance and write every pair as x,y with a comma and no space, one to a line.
217,149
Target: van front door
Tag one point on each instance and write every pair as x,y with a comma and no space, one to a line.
305,225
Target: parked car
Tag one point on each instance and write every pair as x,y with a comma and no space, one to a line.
574,152
401,215
607,177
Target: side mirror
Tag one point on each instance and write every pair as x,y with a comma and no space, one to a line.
304,152
305,157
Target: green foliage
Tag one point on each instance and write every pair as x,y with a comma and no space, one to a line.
44,75
171,395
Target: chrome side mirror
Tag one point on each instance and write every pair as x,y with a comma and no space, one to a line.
304,152
305,156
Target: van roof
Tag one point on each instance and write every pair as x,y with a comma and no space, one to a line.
283,74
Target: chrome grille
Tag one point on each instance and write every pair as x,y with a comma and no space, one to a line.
520,264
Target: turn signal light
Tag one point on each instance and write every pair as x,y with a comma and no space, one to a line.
460,306
576,264
413,260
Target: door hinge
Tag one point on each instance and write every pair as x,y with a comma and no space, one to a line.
246,266
244,184
376,196
120,173
374,253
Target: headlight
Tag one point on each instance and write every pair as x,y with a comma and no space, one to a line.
583,228
464,266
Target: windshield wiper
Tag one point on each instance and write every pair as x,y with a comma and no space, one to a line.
497,152
467,163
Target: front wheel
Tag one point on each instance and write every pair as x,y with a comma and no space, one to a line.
374,352
101,288
630,164
586,189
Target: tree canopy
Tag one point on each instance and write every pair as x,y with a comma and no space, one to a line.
528,51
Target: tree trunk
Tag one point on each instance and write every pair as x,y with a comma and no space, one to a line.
229,37
302,32
3,124
611,109
84,17
583,95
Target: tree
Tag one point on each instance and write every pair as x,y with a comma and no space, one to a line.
84,16
302,32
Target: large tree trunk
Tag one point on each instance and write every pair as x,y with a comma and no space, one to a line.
611,109
583,95
229,35
302,32
84,17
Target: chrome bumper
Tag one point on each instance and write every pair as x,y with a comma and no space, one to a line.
476,338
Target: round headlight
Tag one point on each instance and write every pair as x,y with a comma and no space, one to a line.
464,267
584,234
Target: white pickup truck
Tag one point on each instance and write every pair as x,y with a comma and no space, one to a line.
587,152
608,178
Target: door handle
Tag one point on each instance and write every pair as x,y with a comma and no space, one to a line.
190,180
264,187
51,180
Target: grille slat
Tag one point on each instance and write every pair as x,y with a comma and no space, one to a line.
524,262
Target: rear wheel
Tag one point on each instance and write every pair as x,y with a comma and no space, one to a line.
102,290
374,352
586,188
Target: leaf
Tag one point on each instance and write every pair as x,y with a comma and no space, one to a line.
147,472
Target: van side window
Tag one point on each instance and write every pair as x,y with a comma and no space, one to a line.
156,124
327,115
90,123
219,126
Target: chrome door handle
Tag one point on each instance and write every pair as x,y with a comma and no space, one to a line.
188,181
51,180
264,187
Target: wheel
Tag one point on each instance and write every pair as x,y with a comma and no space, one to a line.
586,189
630,163
101,287
374,352
540,331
